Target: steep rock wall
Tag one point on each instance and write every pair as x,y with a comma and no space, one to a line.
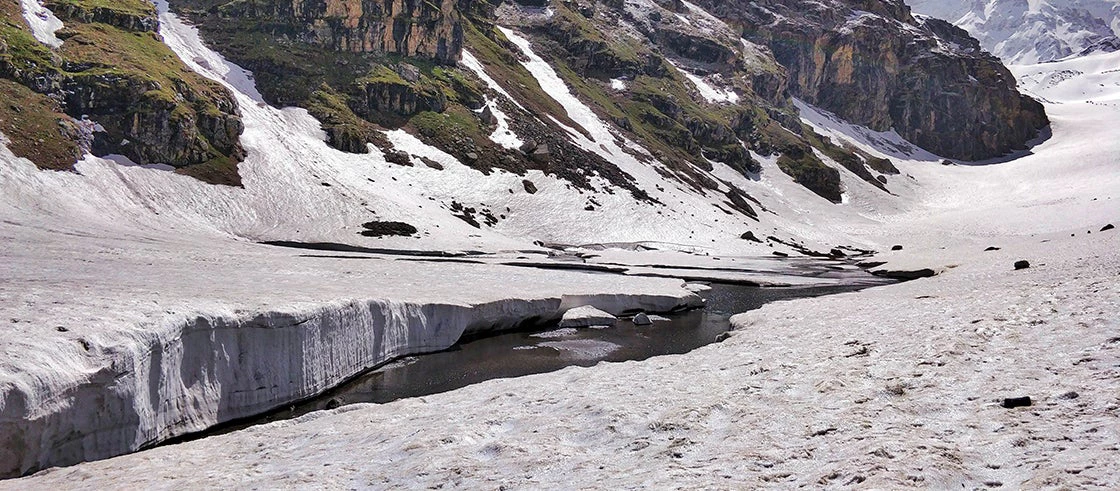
872,63
413,28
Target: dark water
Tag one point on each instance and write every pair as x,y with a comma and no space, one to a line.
544,349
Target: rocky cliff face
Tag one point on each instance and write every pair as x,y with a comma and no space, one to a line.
677,78
429,29
114,88
872,63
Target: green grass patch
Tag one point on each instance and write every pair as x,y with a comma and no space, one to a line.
36,127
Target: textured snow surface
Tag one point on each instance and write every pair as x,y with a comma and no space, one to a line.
891,387
152,336
1034,31
140,293
42,21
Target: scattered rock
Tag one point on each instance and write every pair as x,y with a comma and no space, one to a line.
748,235
431,163
529,186
587,316
334,403
398,157
896,248
471,156
408,72
541,154
780,254
487,116
528,146
1014,402
992,248
723,336
1022,264
381,229
1069,395
641,319
61,329
836,253
905,275
1107,228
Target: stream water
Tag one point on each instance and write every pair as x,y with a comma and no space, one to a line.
543,349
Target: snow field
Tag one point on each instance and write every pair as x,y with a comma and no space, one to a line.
127,345
900,391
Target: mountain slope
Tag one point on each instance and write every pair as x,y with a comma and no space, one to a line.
1022,32
646,125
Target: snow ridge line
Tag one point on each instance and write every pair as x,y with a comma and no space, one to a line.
191,373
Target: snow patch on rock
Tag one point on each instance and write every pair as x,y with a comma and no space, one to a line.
42,22
709,92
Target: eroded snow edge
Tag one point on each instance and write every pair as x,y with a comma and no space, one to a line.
191,374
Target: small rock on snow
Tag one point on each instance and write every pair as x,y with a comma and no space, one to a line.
1107,228
748,235
1014,402
896,248
992,248
1022,264
587,316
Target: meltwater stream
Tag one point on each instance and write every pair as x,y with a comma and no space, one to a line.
544,349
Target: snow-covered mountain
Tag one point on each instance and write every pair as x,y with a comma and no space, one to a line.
1032,31
151,157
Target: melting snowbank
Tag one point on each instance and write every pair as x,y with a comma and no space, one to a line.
115,343
897,392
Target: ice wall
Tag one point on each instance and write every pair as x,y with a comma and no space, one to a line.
188,374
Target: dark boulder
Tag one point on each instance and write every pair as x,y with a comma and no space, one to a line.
748,235
381,229
398,157
1014,402
1022,264
905,275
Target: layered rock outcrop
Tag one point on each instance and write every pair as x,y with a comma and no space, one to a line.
872,63
127,92
414,28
